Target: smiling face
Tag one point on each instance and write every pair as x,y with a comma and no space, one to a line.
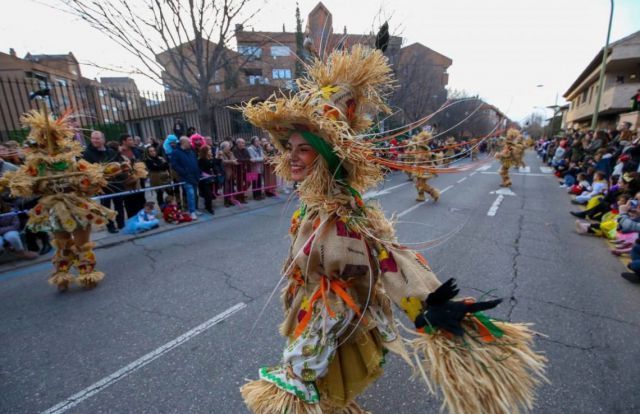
302,156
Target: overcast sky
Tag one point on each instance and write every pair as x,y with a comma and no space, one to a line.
501,49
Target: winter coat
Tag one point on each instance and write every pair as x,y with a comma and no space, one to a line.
257,159
96,156
628,225
158,169
9,222
186,165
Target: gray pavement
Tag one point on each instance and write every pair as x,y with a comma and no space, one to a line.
153,337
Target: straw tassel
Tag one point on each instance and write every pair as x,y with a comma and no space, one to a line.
476,377
263,397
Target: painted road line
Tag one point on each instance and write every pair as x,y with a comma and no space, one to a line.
494,207
461,180
484,167
526,169
528,175
383,191
410,209
472,174
546,170
141,362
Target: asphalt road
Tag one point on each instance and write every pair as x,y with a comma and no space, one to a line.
170,328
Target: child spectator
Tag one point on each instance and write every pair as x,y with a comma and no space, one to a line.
145,220
10,233
599,187
582,185
172,214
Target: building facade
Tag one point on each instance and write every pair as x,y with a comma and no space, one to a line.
621,82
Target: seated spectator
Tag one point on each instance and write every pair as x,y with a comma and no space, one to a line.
172,213
10,233
581,186
600,185
608,223
145,220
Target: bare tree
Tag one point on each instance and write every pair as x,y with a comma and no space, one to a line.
469,117
181,44
533,125
419,90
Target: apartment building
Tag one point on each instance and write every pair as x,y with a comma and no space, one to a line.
621,82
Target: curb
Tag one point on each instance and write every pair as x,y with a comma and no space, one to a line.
106,242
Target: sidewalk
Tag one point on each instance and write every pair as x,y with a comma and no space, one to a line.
104,239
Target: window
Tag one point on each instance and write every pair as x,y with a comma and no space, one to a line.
217,88
281,74
105,107
620,79
100,92
61,82
255,52
280,51
584,95
257,80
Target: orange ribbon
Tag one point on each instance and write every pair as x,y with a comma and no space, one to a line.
338,287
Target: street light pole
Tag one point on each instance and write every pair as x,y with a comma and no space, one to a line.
594,119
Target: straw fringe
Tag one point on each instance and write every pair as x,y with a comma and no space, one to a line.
488,378
263,397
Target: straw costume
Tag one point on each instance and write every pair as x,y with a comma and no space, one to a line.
422,157
55,171
508,156
345,269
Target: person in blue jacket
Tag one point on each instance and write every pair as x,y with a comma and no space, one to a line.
184,162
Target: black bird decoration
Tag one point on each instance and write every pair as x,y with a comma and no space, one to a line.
382,38
440,311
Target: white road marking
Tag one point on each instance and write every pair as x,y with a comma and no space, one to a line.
494,207
139,363
503,191
461,180
528,175
372,194
526,169
410,209
472,174
546,170
484,167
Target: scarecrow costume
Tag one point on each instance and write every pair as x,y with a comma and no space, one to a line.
508,156
55,171
422,157
345,271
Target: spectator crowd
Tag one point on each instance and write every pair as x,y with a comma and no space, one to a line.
601,170
185,171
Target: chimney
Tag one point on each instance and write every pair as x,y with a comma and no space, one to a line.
345,29
239,28
283,30
12,52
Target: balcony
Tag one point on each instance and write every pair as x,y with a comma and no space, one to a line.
615,98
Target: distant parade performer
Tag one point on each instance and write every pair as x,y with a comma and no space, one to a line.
422,158
55,171
507,157
345,269
519,147
450,151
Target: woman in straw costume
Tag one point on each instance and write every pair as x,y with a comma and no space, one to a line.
345,269
54,170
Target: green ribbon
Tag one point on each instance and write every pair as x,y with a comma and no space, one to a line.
326,151
486,321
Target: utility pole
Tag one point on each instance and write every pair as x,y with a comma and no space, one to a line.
594,119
